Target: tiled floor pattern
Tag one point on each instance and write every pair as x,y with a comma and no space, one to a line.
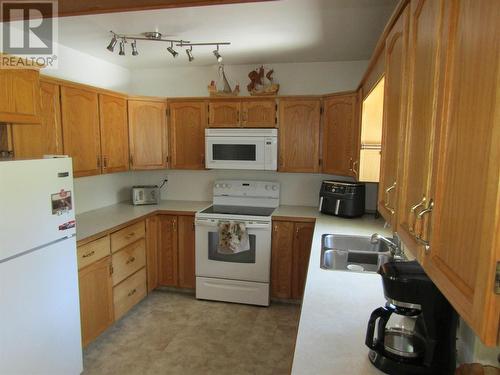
173,333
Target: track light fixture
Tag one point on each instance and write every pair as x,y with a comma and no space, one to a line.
112,44
134,48
217,54
122,48
189,52
156,36
172,50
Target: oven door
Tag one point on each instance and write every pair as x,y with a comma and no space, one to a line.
235,152
250,265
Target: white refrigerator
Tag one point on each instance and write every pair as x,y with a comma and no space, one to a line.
39,301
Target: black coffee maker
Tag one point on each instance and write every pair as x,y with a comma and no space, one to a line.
416,330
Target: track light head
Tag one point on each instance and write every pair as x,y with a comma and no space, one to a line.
217,54
122,48
172,50
134,48
189,52
112,44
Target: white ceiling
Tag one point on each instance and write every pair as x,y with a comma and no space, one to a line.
270,32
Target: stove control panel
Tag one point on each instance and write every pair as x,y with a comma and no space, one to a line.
244,188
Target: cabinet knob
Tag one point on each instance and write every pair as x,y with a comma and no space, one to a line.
130,260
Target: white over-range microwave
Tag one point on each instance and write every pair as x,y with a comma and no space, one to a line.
241,149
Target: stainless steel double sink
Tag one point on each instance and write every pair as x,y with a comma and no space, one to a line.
353,253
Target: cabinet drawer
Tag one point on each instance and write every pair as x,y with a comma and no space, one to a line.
129,293
127,235
93,251
128,260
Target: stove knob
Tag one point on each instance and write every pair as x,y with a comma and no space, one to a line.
224,186
217,186
268,187
275,187
229,186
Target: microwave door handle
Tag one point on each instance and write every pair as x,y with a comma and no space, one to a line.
320,204
337,206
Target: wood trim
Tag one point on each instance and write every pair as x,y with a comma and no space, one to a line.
379,47
83,86
295,219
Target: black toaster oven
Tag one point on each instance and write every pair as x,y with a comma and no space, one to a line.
339,198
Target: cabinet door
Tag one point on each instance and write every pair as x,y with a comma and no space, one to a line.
20,93
299,135
282,259
80,124
34,141
301,251
259,114
224,114
114,133
187,134
96,299
152,239
464,226
394,117
186,252
339,134
167,251
147,134
425,18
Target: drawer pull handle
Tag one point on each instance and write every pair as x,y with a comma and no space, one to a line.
130,260
130,235
89,254
131,293
413,212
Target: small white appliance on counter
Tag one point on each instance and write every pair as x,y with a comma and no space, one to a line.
145,194
40,308
241,149
241,277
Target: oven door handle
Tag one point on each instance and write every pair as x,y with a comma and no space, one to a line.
247,225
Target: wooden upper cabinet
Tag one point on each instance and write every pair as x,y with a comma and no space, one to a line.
340,135
258,113
413,197
34,141
394,117
299,135
282,259
114,133
187,278
80,124
147,134
301,251
187,134
96,299
20,96
224,114
167,251
464,225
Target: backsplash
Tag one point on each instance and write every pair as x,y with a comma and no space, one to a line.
300,189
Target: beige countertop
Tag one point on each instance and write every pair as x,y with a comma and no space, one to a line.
336,307
97,221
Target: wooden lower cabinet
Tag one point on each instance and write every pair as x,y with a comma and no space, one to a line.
152,252
129,292
176,255
96,299
128,260
291,246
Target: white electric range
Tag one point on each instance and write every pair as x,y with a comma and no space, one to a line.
241,277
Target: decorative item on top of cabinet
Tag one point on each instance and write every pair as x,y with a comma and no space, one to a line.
414,193
291,246
20,94
340,135
257,87
34,141
227,91
394,121
188,120
299,130
80,125
147,134
463,229
114,133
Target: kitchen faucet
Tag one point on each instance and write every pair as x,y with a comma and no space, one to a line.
394,245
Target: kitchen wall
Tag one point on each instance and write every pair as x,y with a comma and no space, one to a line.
294,78
77,66
296,188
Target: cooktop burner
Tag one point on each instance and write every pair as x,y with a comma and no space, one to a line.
239,210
